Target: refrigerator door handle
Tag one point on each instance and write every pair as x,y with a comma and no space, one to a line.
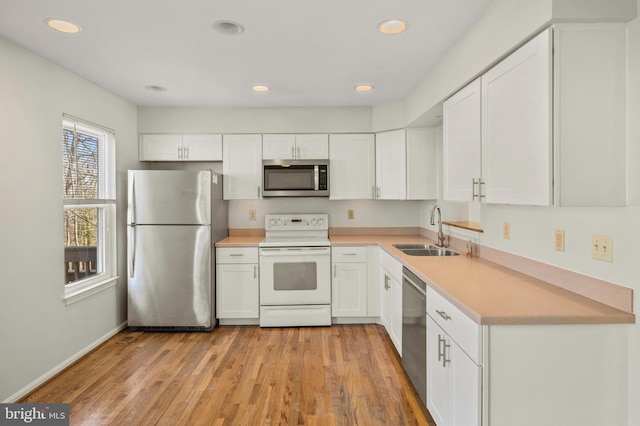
133,199
132,251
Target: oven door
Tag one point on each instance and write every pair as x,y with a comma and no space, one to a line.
295,276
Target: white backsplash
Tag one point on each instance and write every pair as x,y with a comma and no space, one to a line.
367,213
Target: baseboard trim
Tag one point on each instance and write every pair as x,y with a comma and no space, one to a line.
63,365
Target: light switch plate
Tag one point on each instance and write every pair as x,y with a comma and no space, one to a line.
602,248
252,215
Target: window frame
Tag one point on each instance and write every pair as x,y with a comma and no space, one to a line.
106,206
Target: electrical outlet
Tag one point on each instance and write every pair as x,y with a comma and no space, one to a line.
558,239
506,230
252,215
602,248
350,214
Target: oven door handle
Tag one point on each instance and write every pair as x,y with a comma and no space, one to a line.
320,251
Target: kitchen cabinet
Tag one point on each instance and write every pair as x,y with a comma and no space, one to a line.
461,134
352,166
500,375
406,164
349,282
530,130
237,291
296,147
453,376
242,166
516,126
391,165
174,147
391,298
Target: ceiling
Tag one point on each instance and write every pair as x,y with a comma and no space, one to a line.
310,53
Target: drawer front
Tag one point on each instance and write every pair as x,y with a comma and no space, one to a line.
392,266
461,328
237,255
349,254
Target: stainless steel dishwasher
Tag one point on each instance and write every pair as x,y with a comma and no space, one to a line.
414,331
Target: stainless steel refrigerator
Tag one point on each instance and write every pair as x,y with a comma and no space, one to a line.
173,219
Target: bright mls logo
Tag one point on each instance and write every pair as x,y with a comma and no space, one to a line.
34,414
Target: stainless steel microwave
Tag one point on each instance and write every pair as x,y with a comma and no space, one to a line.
295,178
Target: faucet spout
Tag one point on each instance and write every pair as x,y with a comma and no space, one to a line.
441,237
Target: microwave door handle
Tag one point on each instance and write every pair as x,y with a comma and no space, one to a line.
316,177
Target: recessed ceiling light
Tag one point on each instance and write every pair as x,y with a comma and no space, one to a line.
155,88
363,88
392,26
63,26
260,88
228,27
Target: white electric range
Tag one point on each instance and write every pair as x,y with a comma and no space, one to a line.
295,271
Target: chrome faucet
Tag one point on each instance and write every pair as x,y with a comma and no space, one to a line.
441,238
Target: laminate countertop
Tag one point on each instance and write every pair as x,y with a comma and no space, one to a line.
488,293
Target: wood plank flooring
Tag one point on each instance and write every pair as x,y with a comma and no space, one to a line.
240,375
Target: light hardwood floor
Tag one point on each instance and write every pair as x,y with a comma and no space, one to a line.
240,375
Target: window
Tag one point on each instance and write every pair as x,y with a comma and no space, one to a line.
88,177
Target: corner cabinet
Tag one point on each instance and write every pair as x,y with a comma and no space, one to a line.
242,166
531,128
174,147
352,166
406,164
527,375
237,290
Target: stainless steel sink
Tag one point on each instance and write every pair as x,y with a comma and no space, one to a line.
424,250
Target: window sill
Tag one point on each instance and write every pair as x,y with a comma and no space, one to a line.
74,295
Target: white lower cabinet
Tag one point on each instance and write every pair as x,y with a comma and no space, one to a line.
349,282
454,380
525,375
237,290
391,298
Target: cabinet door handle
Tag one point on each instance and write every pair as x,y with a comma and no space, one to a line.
293,152
444,315
299,156
474,182
334,271
236,254
377,192
179,153
185,153
440,342
255,272
445,346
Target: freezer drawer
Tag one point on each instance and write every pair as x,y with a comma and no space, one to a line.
169,276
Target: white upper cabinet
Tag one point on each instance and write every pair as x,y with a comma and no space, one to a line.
352,166
461,133
546,117
295,147
174,147
242,166
391,165
406,166
516,126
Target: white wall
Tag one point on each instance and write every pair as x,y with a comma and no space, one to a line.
38,332
254,120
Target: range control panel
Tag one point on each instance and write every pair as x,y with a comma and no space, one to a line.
296,222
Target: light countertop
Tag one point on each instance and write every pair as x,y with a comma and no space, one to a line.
487,292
